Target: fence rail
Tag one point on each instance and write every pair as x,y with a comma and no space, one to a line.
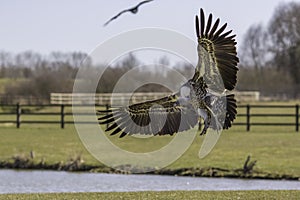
248,116
123,98
15,114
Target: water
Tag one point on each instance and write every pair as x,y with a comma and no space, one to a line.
12,181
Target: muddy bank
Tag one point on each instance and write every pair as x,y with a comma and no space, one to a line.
78,165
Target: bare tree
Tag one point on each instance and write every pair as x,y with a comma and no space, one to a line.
254,47
5,61
284,31
27,59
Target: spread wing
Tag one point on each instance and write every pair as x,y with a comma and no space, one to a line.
127,10
141,3
116,16
217,54
217,65
158,117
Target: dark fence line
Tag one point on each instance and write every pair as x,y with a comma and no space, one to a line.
248,116
19,111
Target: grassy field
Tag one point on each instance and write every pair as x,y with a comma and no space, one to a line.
3,83
8,81
275,148
278,195
275,152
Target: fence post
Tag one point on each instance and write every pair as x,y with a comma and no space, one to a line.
18,117
297,117
62,116
248,117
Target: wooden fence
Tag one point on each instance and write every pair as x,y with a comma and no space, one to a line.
282,116
15,115
124,98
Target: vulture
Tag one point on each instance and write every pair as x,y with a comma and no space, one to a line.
133,10
207,95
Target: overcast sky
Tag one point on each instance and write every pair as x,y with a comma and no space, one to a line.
68,25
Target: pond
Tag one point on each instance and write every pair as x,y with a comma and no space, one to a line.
13,181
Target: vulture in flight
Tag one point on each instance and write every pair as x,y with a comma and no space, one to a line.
206,95
133,10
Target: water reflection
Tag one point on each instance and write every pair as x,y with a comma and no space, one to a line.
12,181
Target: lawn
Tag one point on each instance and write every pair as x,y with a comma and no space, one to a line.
3,83
8,81
275,151
276,148
223,195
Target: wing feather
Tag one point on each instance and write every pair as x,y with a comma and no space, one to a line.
217,54
111,127
212,32
208,25
117,130
162,116
217,34
202,24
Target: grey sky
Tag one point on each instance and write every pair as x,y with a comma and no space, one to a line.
68,25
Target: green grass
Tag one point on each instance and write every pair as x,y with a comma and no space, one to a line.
49,143
3,83
275,152
275,148
278,195
8,81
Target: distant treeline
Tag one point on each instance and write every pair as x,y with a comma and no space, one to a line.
30,74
